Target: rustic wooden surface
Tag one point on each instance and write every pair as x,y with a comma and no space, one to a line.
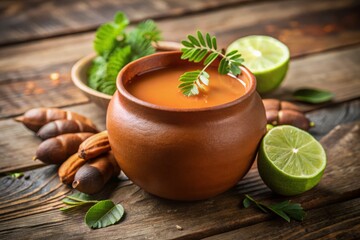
44,37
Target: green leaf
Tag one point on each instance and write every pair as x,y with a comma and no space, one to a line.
148,30
187,44
103,214
194,54
246,203
204,78
280,213
223,66
16,175
293,210
117,60
214,44
311,95
106,34
109,38
195,50
231,53
121,19
201,39
285,209
259,205
208,40
79,197
201,55
235,70
193,40
210,58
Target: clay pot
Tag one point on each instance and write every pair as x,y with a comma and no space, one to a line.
183,154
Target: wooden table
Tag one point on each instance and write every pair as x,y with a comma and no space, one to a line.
43,37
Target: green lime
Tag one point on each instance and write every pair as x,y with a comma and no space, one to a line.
290,160
266,57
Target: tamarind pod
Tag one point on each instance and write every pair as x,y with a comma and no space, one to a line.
58,127
275,104
289,106
94,146
57,149
271,104
93,175
35,118
68,169
272,117
294,118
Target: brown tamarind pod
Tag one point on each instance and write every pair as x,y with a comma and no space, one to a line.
94,146
271,104
68,169
272,117
57,149
275,104
58,127
94,174
35,118
294,118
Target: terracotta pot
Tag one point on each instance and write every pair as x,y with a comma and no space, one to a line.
183,154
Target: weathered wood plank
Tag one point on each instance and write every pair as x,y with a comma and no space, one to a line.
318,71
26,60
22,21
33,63
148,217
326,119
337,221
18,144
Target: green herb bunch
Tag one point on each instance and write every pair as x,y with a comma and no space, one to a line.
116,48
195,50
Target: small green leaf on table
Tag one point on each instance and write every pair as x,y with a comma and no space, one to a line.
76,200
314,96
16,175
103,214
286,210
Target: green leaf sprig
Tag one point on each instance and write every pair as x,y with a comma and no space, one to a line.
195,49
102,214
286,210
116,48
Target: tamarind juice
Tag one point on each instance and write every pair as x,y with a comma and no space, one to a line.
160,87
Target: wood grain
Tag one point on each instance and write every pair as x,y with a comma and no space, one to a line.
326,119
337,221
22,21
30,209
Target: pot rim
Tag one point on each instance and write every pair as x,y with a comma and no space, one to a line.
249,90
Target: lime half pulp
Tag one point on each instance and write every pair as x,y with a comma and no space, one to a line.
290,160
266,57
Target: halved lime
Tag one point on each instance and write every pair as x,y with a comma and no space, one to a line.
290,160
266,57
